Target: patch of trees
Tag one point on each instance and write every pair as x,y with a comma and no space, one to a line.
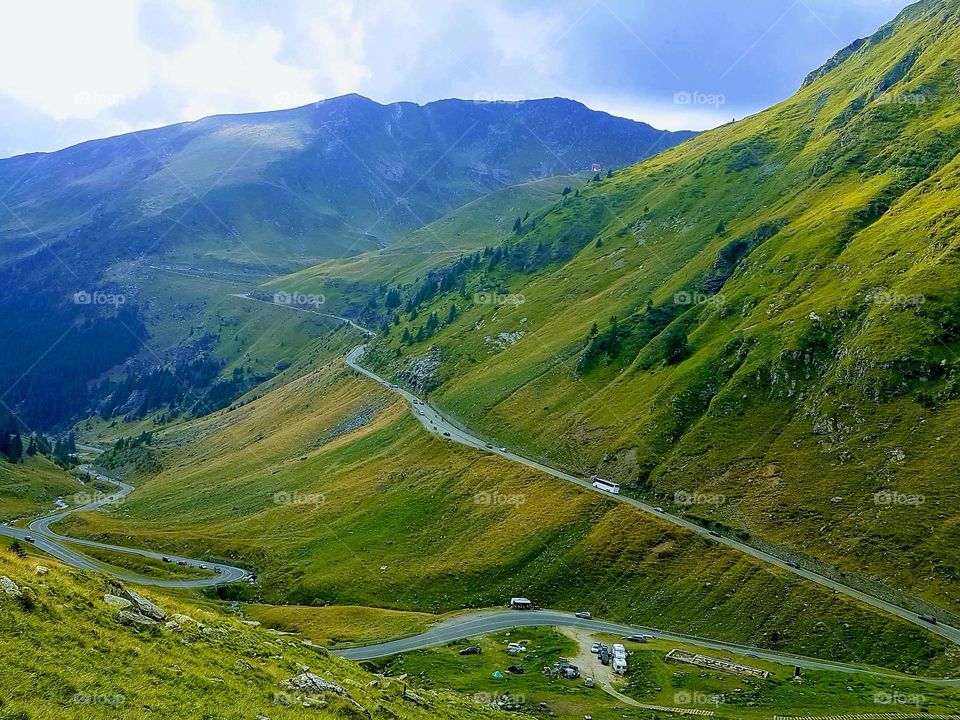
193,387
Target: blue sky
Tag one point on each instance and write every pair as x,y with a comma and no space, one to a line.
75,71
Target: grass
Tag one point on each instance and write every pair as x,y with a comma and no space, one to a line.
334,495
822,369
67,657
341,625
32,486
652,680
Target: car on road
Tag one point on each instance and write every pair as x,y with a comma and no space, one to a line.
714,533
928,618
203,567
792,564
182,562
421,412
165,559
488,446
29,538
472,650
503,449
583,615
659,509
446,434
595,648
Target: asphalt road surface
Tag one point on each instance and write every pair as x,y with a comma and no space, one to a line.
436,423
56,545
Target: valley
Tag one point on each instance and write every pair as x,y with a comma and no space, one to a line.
486,408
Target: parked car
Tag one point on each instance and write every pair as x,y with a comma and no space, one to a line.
604,656
515,669
595,648
472,650
583,615
635,638
588,682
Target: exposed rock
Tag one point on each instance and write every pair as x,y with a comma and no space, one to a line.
10,587
143,606
313,685
251,623
117,601
41,570
172,626
135,619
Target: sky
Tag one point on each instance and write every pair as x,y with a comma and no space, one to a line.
74,71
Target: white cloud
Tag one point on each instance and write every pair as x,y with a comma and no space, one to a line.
71,59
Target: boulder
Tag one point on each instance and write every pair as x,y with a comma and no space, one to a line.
144,606
117,601
41,570
135,619
10,587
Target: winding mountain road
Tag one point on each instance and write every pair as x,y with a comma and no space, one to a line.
436,423
56,545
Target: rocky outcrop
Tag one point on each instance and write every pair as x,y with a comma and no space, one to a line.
10,587
307,687
135,609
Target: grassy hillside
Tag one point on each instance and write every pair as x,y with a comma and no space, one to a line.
32,486
333,494
67,656
348,283
784,356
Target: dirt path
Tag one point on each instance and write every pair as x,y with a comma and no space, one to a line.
604,677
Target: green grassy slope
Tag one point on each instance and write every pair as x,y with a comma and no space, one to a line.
347,283
66,656
333,494
785,357
32,486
